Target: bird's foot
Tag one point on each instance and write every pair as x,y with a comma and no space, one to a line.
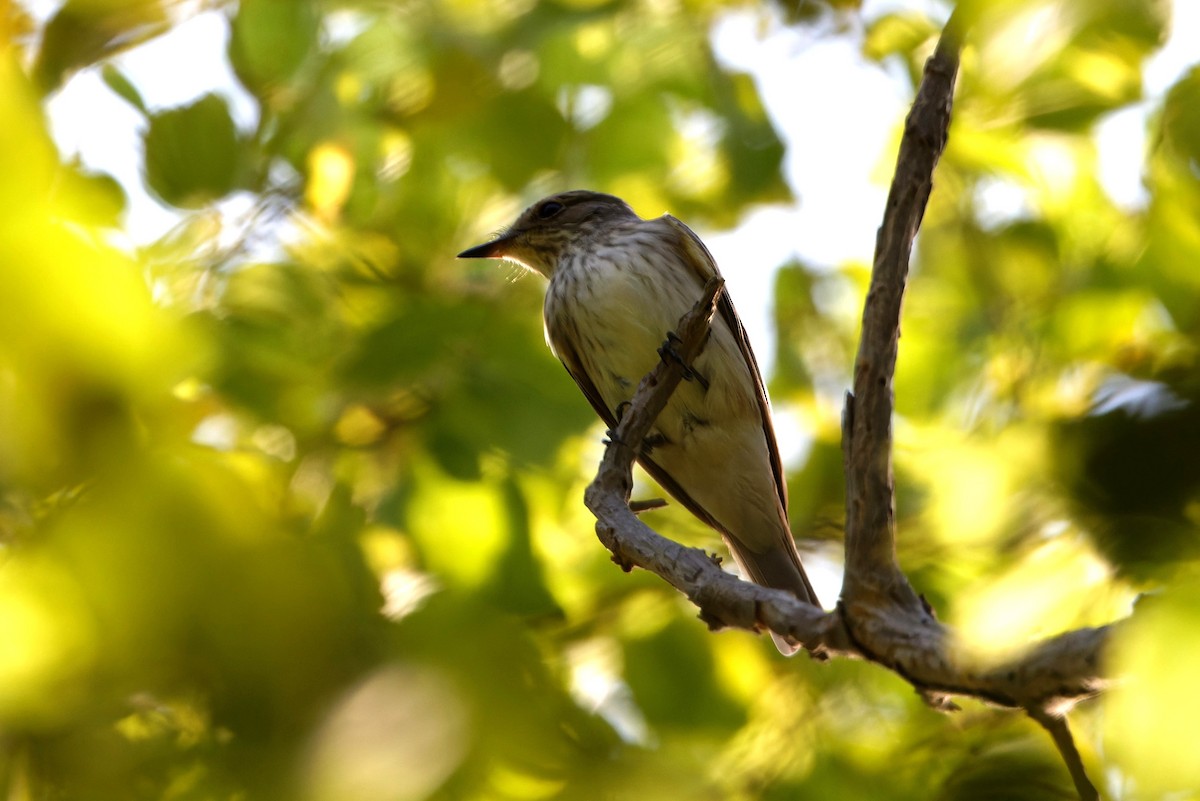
649,442
670,352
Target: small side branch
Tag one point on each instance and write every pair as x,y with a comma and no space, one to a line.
1057,726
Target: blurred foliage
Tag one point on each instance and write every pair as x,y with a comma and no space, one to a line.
290,500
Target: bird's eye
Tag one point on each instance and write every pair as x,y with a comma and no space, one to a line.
549,209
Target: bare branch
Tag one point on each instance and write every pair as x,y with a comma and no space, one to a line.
879,617
903,638
1061,732
867,423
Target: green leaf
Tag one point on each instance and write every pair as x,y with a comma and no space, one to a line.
1116,24
672,677
1145,723
1181,119
100,197
751,144
83,32
124,88
518,584
793,310
1024,770
898,33
525,133
634,137
192,153
408,347
514,396
269,41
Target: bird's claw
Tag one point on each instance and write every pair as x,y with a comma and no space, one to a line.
670,352
649,442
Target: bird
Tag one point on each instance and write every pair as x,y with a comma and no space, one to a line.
618,284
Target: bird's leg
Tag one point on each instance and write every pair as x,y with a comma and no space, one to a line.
669,352
610,436
649,442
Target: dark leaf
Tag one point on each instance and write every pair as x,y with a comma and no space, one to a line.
83,32
192,153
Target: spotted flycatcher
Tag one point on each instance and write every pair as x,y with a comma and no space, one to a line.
618,284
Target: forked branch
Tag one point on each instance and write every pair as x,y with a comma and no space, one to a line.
879,617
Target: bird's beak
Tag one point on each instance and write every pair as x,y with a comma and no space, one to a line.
496,249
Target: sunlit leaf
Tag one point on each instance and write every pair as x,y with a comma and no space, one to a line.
1181,118
1157,655
517,583
53,643
98,197
269,41
896,34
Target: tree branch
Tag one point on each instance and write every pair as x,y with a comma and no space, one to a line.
1061,733
906,639
871,565
879,617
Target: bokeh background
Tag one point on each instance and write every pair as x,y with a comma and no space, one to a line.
290,500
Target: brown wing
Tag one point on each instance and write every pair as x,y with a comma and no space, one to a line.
570,360
705,266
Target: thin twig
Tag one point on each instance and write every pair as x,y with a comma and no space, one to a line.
1061,733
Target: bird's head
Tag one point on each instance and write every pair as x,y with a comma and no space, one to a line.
550,228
